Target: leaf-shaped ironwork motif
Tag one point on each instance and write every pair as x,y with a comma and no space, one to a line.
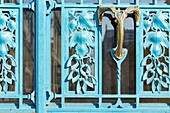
7,42
81,26
160,21
83,42
156,40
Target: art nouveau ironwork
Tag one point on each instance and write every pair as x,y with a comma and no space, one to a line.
81,37
156,28
7,39
78,76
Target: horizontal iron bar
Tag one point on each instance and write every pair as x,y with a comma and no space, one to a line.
72,5
10,5
103,96
166,95
113,110
121,96
17,110
154,96
13,96
101,110
147,95
143,105
15,106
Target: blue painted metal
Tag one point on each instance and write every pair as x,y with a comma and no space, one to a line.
119,63
157,42
81,34
40,58
81,26
7,38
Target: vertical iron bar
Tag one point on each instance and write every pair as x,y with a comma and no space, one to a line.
100,64
100,2
118,2
40,56
48,53
137,2
62,52
155,2
20,54
169,51
20,1
119,80
2,1
141,53
139,56
81,2
137,65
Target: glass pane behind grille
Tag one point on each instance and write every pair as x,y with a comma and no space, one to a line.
11,1
56,52
109,69
28,43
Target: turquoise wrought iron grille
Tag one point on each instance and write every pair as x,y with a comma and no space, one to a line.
81,57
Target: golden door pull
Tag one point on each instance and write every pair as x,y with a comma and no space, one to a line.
119,52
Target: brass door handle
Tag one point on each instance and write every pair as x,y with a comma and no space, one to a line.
120,16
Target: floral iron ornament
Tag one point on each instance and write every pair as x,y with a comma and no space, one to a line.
156,27
7,42
119,53
81,26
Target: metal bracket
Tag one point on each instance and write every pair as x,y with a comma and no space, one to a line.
50,6
49,96
31,96
31,6
120,15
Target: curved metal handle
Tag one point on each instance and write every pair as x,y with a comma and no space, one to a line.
119,52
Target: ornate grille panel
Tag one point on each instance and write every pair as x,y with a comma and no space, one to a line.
53,59
82,40
156,50
9,40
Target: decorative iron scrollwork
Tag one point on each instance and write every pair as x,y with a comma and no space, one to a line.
7,42
81,27
156,30
51,4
